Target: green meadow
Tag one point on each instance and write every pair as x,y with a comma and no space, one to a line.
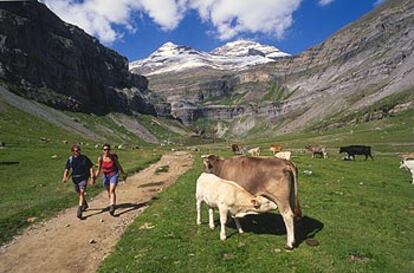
30,179
361,213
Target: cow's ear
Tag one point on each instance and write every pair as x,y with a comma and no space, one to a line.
207,164
255,203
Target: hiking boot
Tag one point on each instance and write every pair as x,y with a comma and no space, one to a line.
79,212
85,205
112,210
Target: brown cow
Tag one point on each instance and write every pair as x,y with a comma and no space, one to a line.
235,148
273,178
317,150
407,155
275,148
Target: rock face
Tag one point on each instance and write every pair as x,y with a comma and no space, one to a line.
362,63
58,64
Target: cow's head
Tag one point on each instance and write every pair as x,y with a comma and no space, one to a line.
260,204
209,162
341,150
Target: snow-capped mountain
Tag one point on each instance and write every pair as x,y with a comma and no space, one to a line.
233,56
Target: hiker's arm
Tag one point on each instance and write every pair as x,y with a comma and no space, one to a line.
65,176
98,171
93,176
119,166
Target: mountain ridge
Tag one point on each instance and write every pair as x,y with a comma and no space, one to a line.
234,56
360,64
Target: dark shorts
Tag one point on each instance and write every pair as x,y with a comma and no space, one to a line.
80,185
110,179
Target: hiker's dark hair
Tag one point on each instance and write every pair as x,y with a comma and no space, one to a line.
106,145
75,146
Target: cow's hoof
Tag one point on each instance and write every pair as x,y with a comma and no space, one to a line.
212,227
223,238
288,248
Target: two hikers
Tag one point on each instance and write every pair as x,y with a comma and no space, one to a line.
82,172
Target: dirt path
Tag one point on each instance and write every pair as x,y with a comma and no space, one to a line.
67,244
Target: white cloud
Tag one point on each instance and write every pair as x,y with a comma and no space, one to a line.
325,2
228,18
98,17
272,17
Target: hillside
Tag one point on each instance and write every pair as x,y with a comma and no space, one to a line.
359,65
58,64
26,122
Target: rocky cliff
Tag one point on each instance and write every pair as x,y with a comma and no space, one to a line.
50,61
362,63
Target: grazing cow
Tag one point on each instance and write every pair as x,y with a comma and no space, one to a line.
408,165
284,155
254,151
317,150
271,177
275,148
229,198
235,148
408,155
356,150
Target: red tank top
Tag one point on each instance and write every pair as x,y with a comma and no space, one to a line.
109,167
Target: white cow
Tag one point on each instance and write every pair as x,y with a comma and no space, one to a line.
254,151
229,198
408,165
284,155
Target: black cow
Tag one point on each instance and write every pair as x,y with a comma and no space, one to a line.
356,150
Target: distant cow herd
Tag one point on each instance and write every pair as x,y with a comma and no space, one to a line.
252,184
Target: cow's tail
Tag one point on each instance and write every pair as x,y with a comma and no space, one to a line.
296,208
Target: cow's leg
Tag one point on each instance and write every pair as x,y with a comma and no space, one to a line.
284,206
288,218
198,207
239,228
211,218
223,219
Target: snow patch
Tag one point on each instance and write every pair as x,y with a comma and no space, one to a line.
233,56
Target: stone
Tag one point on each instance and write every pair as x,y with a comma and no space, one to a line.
312,242
307,172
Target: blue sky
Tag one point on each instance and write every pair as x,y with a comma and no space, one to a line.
135,28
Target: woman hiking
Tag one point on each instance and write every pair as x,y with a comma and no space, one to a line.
82,171
108,163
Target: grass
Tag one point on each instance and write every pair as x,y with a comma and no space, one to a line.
31,183
360,212
29,176
276,93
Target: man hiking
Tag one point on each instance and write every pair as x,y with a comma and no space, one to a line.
82,170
